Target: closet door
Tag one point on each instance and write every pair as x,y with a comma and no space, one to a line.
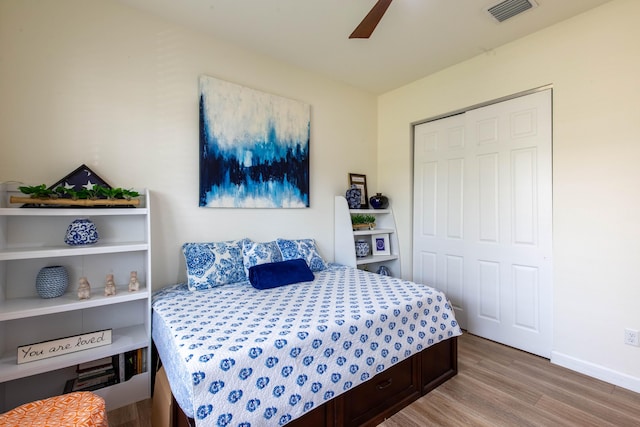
482,218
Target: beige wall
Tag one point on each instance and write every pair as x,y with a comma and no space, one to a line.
94,82
592,61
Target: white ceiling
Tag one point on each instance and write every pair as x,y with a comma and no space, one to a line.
414,39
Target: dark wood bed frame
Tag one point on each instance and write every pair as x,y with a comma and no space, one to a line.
385,394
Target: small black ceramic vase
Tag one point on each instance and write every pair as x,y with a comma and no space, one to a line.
379,201
353,197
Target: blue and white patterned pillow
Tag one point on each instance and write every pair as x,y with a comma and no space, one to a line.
213,264
255,253
302,248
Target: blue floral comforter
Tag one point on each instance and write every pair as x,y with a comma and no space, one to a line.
235,355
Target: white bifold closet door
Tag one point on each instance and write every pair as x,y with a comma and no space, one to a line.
482,220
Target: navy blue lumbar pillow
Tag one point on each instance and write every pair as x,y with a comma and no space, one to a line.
274,274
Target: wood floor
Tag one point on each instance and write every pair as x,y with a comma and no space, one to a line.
495,386
136,415
500,386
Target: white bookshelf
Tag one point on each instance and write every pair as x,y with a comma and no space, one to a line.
345,238
32,238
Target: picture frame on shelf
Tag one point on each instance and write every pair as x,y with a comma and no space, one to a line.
360,181
81,177
380,244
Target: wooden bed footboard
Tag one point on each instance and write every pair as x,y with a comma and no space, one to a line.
383,395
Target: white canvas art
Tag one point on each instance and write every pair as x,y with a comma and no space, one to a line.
254,148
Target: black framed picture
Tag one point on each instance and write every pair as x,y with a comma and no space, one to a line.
360,181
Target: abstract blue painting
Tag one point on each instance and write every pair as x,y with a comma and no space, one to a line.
254,148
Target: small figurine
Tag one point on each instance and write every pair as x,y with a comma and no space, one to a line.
84,289
134,285
110,286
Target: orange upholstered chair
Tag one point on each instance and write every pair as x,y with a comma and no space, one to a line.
81,409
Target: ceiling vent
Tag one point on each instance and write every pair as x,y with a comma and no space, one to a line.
510,8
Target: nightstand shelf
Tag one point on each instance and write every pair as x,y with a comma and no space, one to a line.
345,238
371,259
374,231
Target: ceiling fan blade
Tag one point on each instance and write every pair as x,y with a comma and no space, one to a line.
369,23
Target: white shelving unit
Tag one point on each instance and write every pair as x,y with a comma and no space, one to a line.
32,238
345,238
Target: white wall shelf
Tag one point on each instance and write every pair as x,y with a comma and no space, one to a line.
374,259
345,238
66,212
124,339
32,238
18,308
374,231
67,251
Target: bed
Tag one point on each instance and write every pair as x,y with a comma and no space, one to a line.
346,348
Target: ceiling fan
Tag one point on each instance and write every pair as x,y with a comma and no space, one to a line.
369,23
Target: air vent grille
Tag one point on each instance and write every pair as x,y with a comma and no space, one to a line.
510,8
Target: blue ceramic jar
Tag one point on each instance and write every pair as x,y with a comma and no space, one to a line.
379,201
81,231
383,270
362,248
353,197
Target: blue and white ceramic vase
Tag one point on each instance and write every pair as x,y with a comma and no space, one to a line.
383,270
52,282
362,248
81,231
379,201
353,197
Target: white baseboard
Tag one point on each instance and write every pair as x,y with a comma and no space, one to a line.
596,371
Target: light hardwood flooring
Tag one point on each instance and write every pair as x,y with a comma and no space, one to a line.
135,415
495,386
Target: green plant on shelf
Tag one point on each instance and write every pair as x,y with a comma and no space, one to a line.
363,221
96,192
38,192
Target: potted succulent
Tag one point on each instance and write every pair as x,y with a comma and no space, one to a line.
363,221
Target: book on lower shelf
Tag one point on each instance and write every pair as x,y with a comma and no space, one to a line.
90,384
107,371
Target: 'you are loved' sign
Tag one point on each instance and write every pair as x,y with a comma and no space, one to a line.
44,350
